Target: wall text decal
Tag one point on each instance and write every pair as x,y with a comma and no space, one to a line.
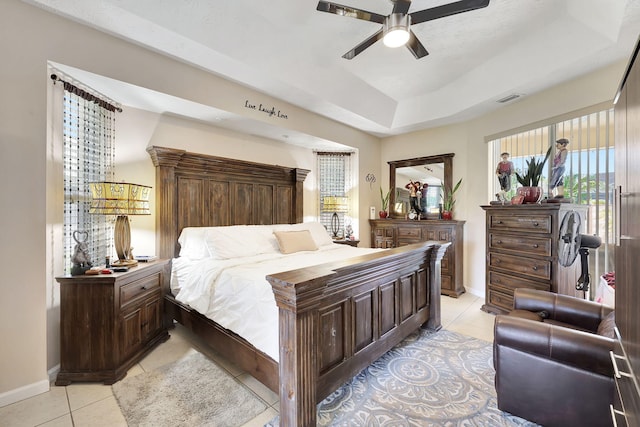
272,112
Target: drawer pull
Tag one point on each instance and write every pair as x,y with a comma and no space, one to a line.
618,373
499,242
535,224
615,412
535,268
498,222
536,246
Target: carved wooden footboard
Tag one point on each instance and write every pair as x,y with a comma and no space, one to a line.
337,318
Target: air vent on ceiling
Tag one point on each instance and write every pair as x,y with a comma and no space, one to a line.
509,98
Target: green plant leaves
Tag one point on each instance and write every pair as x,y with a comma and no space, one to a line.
534,171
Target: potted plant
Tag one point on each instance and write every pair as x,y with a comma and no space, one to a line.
530,190
449,200
385,203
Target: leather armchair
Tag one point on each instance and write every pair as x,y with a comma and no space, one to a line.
552,362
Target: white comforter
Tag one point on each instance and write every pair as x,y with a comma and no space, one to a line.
236,295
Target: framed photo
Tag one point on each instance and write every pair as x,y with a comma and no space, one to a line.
517,200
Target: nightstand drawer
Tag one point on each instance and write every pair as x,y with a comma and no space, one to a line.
540,223
531,245
139,288
534,268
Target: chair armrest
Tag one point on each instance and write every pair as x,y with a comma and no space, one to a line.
562,308
583,350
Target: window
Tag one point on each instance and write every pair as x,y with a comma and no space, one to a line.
334,180
588,177
88,155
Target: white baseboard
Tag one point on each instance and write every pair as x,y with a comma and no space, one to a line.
18,394
53,373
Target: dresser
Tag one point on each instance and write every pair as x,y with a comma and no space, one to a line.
108,322
521,248
392,233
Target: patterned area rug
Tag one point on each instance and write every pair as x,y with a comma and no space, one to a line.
430,379
192,391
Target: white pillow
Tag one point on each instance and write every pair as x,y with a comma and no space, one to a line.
237,241
318,232
295,241
193,243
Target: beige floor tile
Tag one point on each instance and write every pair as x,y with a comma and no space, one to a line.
260,389
173,349
36,410
262,419
63,421
105,413
81,395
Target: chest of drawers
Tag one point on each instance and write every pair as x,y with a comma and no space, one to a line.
392,233
521,249
108,322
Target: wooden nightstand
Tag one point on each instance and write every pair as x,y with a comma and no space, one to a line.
353,243
108,322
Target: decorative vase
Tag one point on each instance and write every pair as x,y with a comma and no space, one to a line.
383,214
448,215
530,194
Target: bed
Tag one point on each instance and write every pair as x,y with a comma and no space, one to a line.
334,318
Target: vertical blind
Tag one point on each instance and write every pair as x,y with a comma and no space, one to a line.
89,155
334,179
588,177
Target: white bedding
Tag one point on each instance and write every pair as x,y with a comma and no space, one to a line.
235,293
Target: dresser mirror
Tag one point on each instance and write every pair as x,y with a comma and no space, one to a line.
432,171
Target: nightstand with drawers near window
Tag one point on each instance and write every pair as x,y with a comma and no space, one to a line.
108,322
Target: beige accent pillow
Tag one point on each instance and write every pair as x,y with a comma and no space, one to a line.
295,241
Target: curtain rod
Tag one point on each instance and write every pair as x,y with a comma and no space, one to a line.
85,95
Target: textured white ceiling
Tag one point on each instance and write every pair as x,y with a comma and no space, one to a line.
289,50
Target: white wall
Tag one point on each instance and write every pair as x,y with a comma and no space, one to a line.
472,163
29,166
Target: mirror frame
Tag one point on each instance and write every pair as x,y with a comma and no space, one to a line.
447,159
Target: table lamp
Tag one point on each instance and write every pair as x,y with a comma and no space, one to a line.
335,204
121,199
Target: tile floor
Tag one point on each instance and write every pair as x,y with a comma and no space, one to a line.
95,405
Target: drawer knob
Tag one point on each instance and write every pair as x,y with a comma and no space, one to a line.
535,245
498,222
535,224
499,242
143,287
535,268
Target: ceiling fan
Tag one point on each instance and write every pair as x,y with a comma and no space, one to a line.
396,30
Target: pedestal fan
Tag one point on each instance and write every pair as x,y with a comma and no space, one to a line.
571,243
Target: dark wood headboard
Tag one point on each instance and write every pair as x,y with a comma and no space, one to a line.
198,190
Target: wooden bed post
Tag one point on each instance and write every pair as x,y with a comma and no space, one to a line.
298,365
435,273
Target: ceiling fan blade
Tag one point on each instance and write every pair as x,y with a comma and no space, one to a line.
415,47
362,46
447,10
338,9
401,6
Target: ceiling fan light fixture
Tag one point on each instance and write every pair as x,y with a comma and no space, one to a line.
396,30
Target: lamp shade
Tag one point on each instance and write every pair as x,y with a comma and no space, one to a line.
335,204
119,198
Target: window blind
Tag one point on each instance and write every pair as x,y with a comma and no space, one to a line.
334,179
